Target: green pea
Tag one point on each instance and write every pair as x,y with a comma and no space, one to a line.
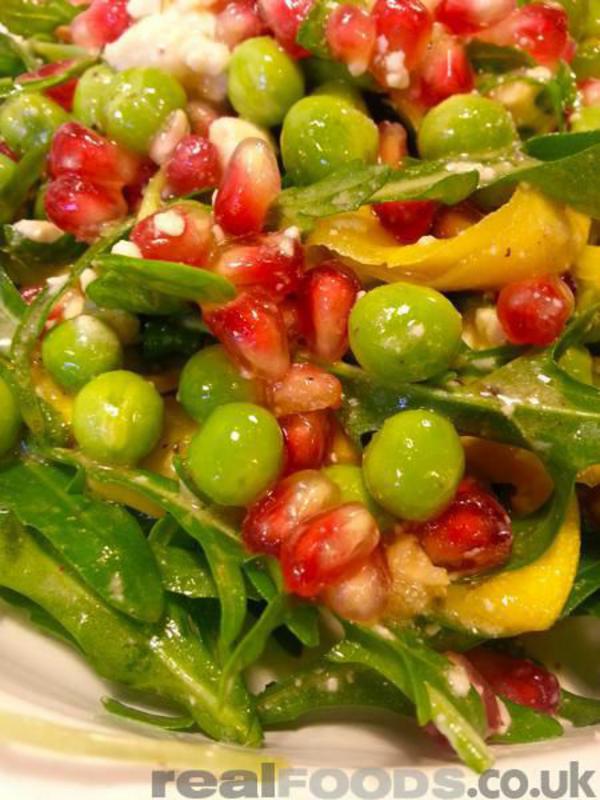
403,333
209,380
29,120
321,70
264,82
237,454
465,124
94,90
577,12
591,25
10,418
353,489
586,119
343,90
413,465
79,349
141,100
118,417
577,362
321,134
7,170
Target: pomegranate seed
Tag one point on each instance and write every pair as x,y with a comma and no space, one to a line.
445,71
77,150
534,311
590,92
407,220
473,534
134,191
495,711
80,207
175,234
239,21
393,146
274,517
363,595
250,184
326,547
273,262
306,437
101,23
403,27
6,151
284,18
469,16
325,301
193,167
518,679
63,94
540,29
304,387
252,330
350,34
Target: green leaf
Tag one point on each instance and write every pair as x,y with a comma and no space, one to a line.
74,70
587,583
554,146
579,711
528,725
184,572
11,59
31,17
487,57
181,723
12,308
113,290
328,685
63,251
27,173
170,278
102,542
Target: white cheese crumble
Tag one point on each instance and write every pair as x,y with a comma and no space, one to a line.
87,276
396,74
227,132
488,326
125,248
458,680
38,230
166,140
170,223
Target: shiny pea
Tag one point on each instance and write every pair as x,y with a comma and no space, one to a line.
29,120
321,134
141,100
209,380
10,418
118,417
353,489
591,26
586,119
79,349
237,454
465,124
92,94
403,333
343,90
264,82
414,464
7,170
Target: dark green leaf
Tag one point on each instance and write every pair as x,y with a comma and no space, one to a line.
487,57
554,146
184,571
113,290
11,60
170,278
30,17
587,583
27,173
102,542
579,711
164,338
528,725
182,723
56,254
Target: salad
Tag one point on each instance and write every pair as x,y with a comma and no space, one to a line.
299,354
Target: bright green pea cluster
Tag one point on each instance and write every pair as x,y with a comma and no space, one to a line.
93,92
29,120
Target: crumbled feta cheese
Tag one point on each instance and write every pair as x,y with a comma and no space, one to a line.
87,276
227,132
219,234
332,685
396,74
539,73
488,326
166,140
505,718
170,223
38,230
124,248
143,8
458,680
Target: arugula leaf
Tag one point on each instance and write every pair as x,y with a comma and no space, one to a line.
487,57
12,308
31,17
74,70
554,146
113,290
27,173
11,60
587,583
102,542
528,725
39,618
169,277
183,571
29,253
579,711
181,723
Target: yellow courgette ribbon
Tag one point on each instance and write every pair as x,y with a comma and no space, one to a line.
529,235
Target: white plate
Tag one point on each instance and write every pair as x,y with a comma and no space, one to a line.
50,698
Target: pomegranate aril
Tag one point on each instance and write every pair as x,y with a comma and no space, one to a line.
193,167
540,29
238,21
134,190
62,94
304,387
407,220
6,151
252,330
284,18
590,92
473,534
175,234
445,71
327,547
101,23
363,595
81,207
276,515
77,150
351,34
534,311
403,26
518,679
467,16
250,185
273,262
306,438
393,147
325,300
